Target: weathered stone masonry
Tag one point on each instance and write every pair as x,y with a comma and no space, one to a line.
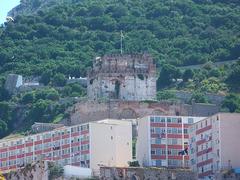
125,77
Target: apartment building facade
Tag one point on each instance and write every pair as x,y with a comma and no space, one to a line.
215,145
162,140
87,145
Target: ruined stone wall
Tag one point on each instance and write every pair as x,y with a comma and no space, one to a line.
113,173
87,111
131,87
125,77
35,171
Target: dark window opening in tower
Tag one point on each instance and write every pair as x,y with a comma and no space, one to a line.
117,89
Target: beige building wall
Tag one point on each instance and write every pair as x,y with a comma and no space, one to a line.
143,142
230,139
110,143
225,142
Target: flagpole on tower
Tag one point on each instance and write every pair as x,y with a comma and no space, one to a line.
122,42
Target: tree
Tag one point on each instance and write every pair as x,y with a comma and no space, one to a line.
28,98
3,128
53,95
188,74
55,171
166,95
117,11
59,80
5,111
233,78
46,77
199,97
4,94
96,10
167,75
39,109
232,102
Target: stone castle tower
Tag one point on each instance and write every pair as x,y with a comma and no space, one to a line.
123,77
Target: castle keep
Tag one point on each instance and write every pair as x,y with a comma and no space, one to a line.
123,77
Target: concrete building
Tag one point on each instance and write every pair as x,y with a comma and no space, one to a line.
13,82
107,142
125,77
215,144
161,138
81,80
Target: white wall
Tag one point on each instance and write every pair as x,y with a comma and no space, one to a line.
230,142
143,142
131,87
110,144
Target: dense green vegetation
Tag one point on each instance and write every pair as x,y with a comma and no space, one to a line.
42,105
65,38
61,40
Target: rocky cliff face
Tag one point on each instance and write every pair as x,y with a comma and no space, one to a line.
32,6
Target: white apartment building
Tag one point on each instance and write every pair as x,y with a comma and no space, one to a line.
215,144
91,145
161,138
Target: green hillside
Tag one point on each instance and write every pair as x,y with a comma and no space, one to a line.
58,40
68,36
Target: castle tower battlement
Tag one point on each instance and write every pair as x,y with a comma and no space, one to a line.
123,77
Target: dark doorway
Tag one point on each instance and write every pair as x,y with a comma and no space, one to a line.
117,89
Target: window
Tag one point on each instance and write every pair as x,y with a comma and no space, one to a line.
153,163
157,119
174,130
163,141
169,120
174,141
153,152
179,131
174,120
162,119
185,131
158,141
152,130
169,141
190,120
163,151
158,163
152,119
169,152
158,151
169,130
179,120
158,130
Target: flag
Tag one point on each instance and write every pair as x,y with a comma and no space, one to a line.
183,152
